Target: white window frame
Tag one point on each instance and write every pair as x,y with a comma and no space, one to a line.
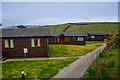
80,39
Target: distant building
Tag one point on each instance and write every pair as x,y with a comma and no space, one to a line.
73,38
92,36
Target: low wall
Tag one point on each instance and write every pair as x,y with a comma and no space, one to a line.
78,68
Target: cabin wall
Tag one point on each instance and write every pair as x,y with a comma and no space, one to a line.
21,43
96,38
70,41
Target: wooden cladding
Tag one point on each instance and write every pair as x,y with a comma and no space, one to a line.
25,42
35,42
8,43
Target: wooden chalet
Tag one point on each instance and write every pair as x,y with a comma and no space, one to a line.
25,43
72,38
92,36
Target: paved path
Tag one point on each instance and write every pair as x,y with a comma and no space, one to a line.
78,68
30,59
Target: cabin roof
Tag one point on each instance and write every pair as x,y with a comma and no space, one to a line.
69,33
27,32
97,33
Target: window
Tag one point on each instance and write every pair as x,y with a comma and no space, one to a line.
67,38
8,43
35,42
92,36
74,39
57,39
80,39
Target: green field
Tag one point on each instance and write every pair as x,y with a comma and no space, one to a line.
61,50
107,28
58,28
91,27
54,28
35,69
105,66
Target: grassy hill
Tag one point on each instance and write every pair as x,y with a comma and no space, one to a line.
93,28
106,27
58,28
86,27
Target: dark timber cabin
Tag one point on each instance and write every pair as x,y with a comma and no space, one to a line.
25,43
97,36
72,38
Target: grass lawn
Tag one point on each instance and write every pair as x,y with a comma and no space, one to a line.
61,50
35,69
94,42
105,65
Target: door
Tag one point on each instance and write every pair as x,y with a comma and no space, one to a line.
62,41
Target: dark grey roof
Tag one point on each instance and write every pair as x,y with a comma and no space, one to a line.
97,33
28,32
69,33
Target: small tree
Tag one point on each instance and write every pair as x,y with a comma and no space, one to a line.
21,26
112,41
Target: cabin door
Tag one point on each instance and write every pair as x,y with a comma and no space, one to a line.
61,40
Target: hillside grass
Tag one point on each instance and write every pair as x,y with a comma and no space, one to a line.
57,28
35,69
107,28
61,50
105,66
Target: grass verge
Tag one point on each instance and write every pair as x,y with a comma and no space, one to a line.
105,66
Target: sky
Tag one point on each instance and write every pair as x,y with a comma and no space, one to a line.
52,13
